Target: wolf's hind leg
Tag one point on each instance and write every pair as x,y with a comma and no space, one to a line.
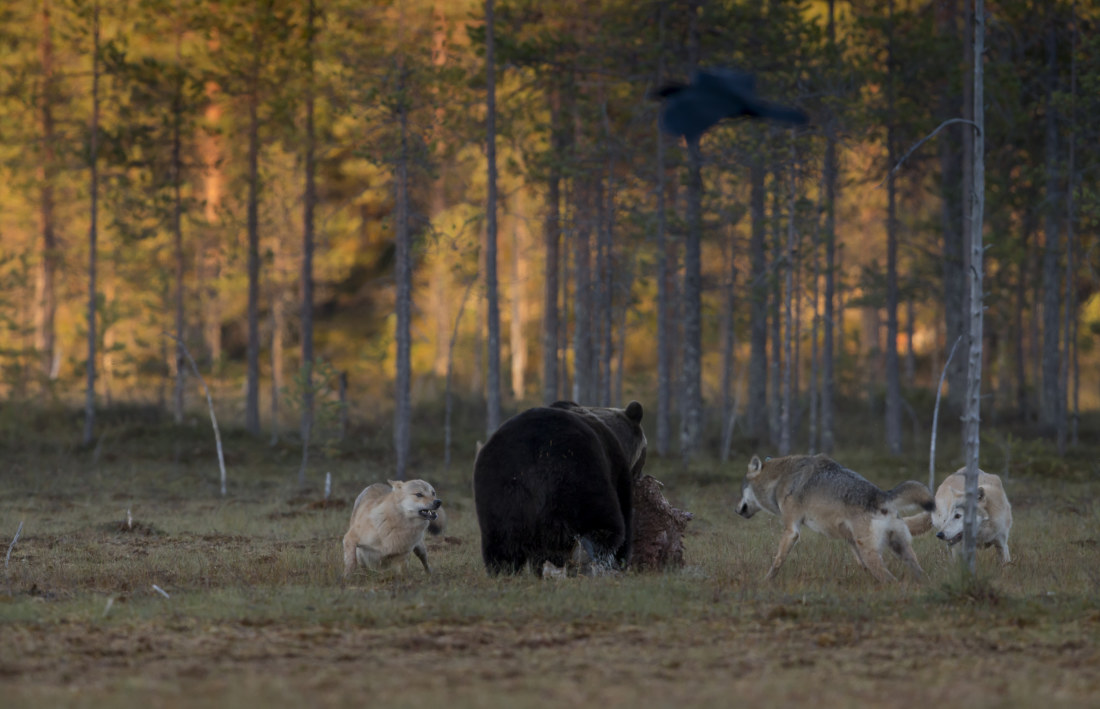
788,540
904,550
872,561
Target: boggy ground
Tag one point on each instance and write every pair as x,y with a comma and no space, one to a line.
257,614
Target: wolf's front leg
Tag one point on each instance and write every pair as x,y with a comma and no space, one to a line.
1002,546
422,554
790,537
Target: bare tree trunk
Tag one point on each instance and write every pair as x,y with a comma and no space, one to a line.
664,336
972,419
403,279
1023,410
729,344
757,413
1049,418
440,293
93,163
582,304
893,384
252,395
954,237
517,340
1071,214
552,240
177,231
447,394
209,258
786,396
309,202
815,345
607,283
776,296
829,177
910,333
45,286
691,426
493,384
1070,306
278,328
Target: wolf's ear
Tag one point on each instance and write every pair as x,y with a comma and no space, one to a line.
981,493
395,484
634,411
754,467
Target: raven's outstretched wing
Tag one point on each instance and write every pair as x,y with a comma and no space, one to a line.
713,94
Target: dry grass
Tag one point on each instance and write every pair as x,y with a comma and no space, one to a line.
258,612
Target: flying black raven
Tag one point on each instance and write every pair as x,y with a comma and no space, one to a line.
713,94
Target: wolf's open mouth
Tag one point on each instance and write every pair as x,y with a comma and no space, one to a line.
955,539
428,514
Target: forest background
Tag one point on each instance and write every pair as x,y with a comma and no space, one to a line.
300,194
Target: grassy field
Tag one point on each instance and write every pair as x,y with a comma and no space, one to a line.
257,614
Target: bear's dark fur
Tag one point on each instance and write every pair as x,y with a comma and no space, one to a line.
553,474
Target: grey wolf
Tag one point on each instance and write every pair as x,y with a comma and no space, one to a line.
830,499
388,523
553,474
994,513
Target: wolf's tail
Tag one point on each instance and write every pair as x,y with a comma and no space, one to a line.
911,492
918,523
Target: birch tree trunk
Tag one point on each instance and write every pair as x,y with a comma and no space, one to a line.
493,383
517,339
309,202
45,287
972,418
93,163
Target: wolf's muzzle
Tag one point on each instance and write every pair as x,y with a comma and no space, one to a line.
430,513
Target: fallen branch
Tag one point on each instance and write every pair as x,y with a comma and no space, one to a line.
209,403
936,418
161,591
12,546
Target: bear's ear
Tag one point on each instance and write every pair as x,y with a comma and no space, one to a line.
634,412
754,466
981,493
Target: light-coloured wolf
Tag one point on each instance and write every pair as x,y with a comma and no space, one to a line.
830,499
388,523
994,513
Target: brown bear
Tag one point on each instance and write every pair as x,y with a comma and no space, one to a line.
556,475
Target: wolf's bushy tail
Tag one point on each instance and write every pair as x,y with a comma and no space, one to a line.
911,492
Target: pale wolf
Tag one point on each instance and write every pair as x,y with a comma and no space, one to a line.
994,513
388,523
818,492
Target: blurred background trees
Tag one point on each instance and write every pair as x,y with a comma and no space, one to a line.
289,196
